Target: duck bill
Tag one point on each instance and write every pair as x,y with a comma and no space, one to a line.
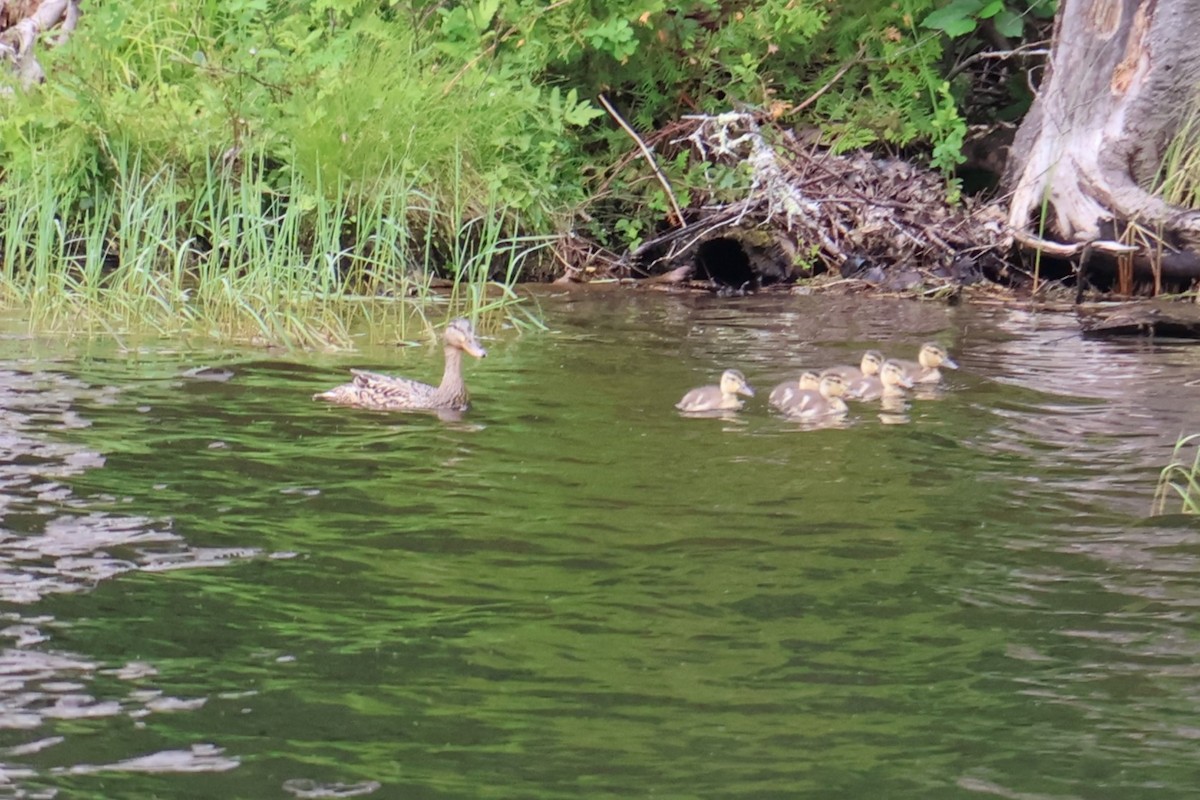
746,389
474,348
949,362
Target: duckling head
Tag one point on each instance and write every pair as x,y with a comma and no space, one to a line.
832,386
892,374
872,360
932,356
734,382
809,381
460,334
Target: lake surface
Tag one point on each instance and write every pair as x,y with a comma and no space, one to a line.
215,587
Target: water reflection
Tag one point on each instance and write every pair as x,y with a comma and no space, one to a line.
55,541
576,591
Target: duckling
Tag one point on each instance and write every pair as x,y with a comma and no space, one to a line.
782,394
869,365
925,368
385,393
721,397
825,402
890,382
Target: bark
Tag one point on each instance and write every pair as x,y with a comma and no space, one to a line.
21,26
1121,77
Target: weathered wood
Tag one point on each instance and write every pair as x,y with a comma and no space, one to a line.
24,23
1145,318
1120,77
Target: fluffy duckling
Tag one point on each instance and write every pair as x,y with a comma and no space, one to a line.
385,393
722,397
869,365
925,368
825,402
890,382
781,396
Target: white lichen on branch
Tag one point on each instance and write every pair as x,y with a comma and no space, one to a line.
824,210
715,138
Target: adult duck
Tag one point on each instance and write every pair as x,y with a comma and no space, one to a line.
386,393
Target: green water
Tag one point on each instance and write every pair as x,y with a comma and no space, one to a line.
221,589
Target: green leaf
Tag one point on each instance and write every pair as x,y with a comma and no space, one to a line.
956,19
1009,24
991,9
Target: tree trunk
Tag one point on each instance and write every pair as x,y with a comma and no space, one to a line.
1122,76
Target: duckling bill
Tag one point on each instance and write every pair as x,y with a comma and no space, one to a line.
720,397
386,393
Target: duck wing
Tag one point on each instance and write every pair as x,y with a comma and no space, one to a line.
783,394
868,387
802,403
384,391
706,398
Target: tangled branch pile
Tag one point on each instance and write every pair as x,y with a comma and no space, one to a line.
809,211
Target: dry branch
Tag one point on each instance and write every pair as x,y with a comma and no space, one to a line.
840,209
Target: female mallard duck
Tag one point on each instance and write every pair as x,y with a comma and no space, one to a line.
825,402
890,382
385,393
869,365
721,397
925,368
781,396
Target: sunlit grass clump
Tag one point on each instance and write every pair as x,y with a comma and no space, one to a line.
256,172
1179,177
1180,480
226,256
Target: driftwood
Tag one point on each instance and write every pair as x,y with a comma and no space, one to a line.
22,25
1158,317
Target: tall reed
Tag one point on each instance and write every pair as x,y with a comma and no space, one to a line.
1178,180
1180,479
230,254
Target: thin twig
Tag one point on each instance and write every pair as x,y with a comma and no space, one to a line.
837,76
649,158
1030,49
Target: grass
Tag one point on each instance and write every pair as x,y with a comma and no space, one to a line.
226,255
1180,479
1178,180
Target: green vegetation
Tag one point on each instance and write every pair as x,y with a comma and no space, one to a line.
255,168
1179,177
1180,478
